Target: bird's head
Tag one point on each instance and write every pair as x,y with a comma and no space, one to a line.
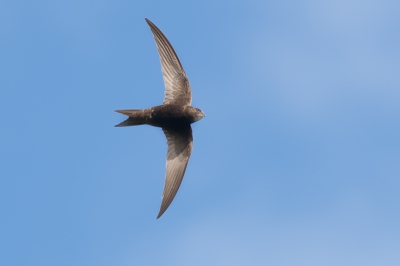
197,114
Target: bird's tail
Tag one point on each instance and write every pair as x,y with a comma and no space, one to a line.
136,117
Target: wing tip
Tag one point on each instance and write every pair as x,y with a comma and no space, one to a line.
149,21
161,212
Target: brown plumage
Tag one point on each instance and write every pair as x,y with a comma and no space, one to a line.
174,116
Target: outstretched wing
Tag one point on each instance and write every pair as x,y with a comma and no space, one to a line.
180,143
177,87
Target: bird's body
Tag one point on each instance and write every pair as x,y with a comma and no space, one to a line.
167,115
174,116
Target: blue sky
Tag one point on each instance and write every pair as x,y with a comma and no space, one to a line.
296,163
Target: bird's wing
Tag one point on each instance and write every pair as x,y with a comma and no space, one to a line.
180,143
177,87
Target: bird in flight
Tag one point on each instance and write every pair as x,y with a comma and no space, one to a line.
174,116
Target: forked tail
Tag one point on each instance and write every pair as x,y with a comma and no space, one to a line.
136,117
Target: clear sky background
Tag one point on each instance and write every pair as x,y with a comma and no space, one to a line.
296,163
